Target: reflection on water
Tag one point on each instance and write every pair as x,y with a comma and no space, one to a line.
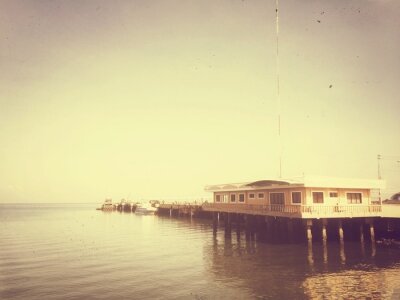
75,252
328,271
310,255
354,284
325,249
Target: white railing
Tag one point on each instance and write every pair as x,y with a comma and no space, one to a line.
253,208
339,210
301,210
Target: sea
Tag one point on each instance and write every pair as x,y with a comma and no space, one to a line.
73,251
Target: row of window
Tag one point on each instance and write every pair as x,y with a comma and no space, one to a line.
279,198
352,198
275,198
225,198
259,195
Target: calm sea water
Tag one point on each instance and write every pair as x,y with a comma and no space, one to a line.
71,251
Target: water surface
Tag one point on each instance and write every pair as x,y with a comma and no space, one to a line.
72,251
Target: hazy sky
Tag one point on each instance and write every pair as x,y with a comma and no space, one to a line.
159,98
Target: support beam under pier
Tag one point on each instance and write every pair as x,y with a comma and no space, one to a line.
227,223
324,234
340,228
308,231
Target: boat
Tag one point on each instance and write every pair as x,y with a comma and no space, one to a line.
121,205
107,205
130,206
145,209
154,203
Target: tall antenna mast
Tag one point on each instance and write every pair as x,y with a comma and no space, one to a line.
379,166
277,86
379,175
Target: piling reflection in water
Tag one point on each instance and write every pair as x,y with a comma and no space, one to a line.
328,270
373,248
325,249
310,255
342,253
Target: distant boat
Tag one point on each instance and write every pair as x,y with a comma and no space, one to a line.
145,209
129,206
121,205
154,203
107,205
126,206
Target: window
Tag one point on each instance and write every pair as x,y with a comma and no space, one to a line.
318,197
252,195
277,198
217,198
354,198
241,197
233,198
260,195
226,198
333,194
296,197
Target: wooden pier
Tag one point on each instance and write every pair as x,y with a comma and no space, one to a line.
179,209
289,223
121,206
295,223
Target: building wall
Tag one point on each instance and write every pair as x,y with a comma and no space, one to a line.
342,196
264,200
262,197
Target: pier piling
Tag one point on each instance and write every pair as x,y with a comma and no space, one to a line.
324,234
362,233
372,231
227,223
309,233
340,228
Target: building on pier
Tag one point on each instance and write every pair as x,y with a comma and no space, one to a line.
304,197
298,208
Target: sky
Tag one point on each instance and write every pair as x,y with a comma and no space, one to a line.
156,99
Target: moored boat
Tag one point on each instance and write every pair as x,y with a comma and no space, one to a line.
107,205
145,209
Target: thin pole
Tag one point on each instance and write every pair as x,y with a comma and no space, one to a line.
278,87
379,176
379,166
